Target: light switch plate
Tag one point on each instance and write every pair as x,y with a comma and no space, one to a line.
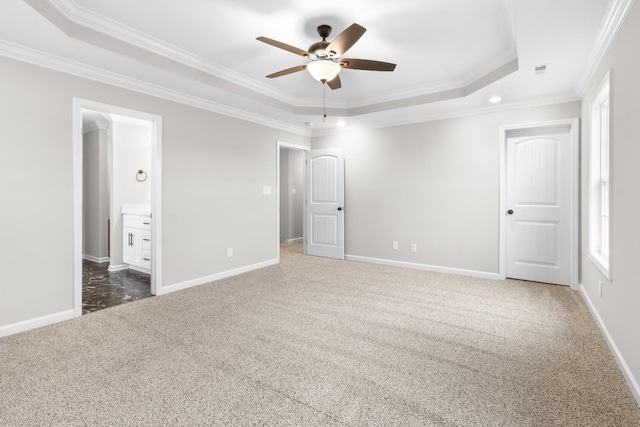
293,191
266,189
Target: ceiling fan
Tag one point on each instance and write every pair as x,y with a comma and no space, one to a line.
326,57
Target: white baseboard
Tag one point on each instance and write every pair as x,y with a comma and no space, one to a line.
425,267
38,322
632,382
297,239
114,268
214,277
95,259
140,269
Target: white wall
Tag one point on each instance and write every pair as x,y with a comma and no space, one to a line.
291,205
131,145
96,194
434,184
619,306
214,169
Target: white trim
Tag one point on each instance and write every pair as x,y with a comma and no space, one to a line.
74,68
97,125
492,68
299,239
213,277
139,269
38,322
632,382
119,267
615,17
417,116
95,259
78,15
279,145
282,144
156,206
600,263
77,69
91,21
78,104
594,221
425,267
575,187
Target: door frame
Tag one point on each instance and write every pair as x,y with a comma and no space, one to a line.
78,105
303,148
574,199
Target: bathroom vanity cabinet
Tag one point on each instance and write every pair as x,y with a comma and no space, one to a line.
136,241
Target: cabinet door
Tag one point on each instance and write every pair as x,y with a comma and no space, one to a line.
132,240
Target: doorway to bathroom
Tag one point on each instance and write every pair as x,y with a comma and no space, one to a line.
117,190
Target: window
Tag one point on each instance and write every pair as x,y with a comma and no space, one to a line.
600,188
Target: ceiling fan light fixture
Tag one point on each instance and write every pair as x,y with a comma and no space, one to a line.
323,70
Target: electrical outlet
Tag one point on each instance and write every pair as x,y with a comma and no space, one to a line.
395,245
414,247
600,288
229,252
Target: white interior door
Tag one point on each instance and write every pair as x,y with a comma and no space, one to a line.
325,203
538,225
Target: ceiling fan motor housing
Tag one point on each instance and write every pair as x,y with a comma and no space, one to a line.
318,49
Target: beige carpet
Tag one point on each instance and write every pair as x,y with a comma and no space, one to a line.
314,341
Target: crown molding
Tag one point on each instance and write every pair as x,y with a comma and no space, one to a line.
443,86
74,13
417,117
615,17
66,66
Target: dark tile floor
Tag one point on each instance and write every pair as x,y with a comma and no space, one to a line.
103,289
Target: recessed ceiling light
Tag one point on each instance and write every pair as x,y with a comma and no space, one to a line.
308,123
495,99
340,124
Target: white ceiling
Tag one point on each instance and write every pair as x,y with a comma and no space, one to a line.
451,55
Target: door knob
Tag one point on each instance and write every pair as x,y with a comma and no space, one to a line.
340,208
510,211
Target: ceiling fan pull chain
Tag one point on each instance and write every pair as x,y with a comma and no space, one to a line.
324,101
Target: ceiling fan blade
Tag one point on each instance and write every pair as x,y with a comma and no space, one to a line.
346,39
284,46
335,83
366,64
287,71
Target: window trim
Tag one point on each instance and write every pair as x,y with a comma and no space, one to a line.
600,223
